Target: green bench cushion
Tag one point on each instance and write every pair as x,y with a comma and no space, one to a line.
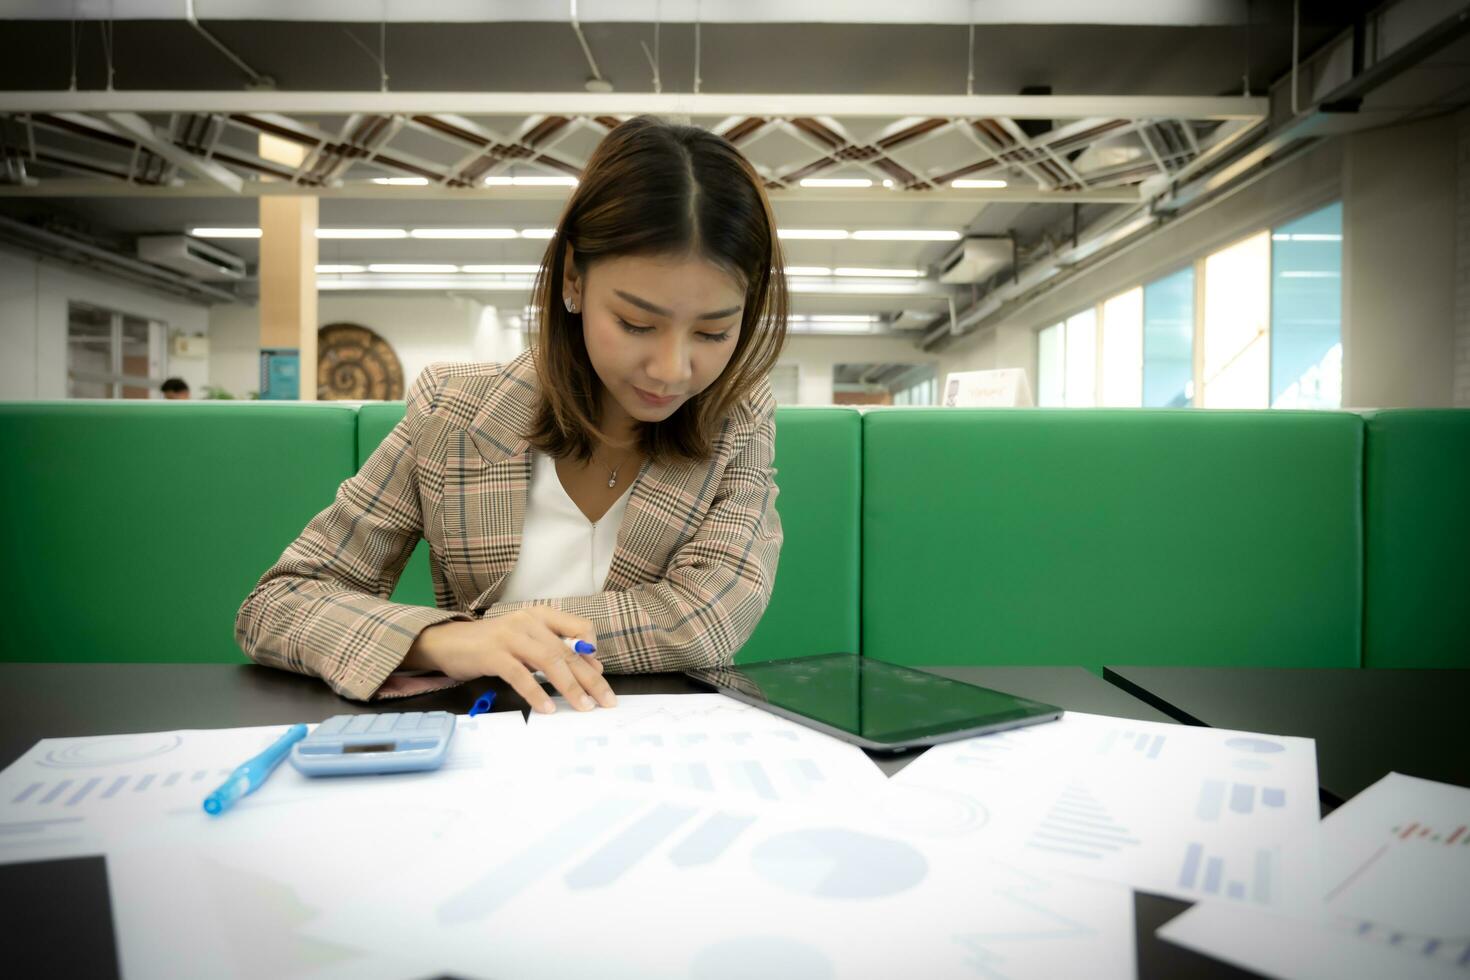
1417,520
814,608
1112,537
134,530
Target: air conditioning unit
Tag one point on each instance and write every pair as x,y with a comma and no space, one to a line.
976,258
192,256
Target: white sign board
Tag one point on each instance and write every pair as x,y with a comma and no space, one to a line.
1005,388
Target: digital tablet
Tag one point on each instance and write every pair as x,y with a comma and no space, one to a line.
872,703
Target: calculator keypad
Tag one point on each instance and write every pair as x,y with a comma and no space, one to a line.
395,741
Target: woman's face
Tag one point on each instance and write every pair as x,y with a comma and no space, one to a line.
659,330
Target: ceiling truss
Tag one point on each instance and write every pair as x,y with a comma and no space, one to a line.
102,146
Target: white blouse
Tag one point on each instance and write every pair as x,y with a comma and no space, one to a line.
562,553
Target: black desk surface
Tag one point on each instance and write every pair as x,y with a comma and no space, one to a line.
1367,722
61,700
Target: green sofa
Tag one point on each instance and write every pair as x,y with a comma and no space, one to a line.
923,536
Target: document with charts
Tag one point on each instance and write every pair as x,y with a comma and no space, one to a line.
664,881
1396,891
70,796
1197,813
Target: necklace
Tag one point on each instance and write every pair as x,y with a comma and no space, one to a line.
612,474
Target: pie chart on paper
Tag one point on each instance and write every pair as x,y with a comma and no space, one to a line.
842,864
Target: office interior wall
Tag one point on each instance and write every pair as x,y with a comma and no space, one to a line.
816,358
421,329
1462,259
34,294
1400,193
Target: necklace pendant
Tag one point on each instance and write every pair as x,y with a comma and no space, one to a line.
612,483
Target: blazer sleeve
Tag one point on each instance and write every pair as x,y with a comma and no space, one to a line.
718,583
323,608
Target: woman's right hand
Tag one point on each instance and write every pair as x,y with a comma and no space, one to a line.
512,647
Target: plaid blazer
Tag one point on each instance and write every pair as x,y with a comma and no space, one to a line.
691,574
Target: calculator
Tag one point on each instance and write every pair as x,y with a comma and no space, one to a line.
351,745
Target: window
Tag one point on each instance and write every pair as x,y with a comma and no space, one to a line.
1122,351
1168,341
111,354
1237,350
1081,384
1066,371
1051,366
922,392
1257,324
1306,311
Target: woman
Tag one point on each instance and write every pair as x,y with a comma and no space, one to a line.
611,484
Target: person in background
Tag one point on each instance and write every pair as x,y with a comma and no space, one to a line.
176,389
612,484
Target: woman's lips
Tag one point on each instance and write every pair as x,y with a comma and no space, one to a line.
652,399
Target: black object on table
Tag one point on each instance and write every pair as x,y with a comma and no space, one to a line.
65,700
1367,722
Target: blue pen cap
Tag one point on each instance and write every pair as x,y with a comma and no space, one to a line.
221,799
482,703
584,647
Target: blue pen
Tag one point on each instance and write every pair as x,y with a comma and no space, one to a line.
248,776
483,702
578,646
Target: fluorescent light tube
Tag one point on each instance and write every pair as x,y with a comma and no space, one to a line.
462,233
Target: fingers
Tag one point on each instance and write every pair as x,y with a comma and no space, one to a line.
571,674
589,675
565,624
524,684
565,680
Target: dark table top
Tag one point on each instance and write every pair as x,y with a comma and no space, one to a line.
1367,722
61,700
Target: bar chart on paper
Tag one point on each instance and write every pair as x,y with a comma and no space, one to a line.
1207,873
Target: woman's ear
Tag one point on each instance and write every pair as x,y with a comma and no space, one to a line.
571,287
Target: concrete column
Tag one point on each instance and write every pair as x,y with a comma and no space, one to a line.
288,257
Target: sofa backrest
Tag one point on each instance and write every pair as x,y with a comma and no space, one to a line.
1112,537
134,530
1417,516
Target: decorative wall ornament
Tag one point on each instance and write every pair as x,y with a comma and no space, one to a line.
355,364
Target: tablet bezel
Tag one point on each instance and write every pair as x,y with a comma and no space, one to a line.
733,682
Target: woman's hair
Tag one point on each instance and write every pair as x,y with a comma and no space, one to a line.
657,189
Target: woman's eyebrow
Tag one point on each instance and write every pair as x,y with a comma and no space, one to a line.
660,311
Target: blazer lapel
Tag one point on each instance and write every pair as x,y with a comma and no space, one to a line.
488,481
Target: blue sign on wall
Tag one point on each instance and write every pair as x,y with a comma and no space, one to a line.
280,373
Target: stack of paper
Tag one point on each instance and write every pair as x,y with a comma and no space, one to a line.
695,836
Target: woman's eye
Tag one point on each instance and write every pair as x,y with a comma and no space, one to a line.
636,329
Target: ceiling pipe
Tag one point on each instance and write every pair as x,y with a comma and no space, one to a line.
596,83
60,246
257,80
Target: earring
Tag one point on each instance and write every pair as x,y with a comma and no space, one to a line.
571,305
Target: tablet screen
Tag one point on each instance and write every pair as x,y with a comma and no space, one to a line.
873,700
